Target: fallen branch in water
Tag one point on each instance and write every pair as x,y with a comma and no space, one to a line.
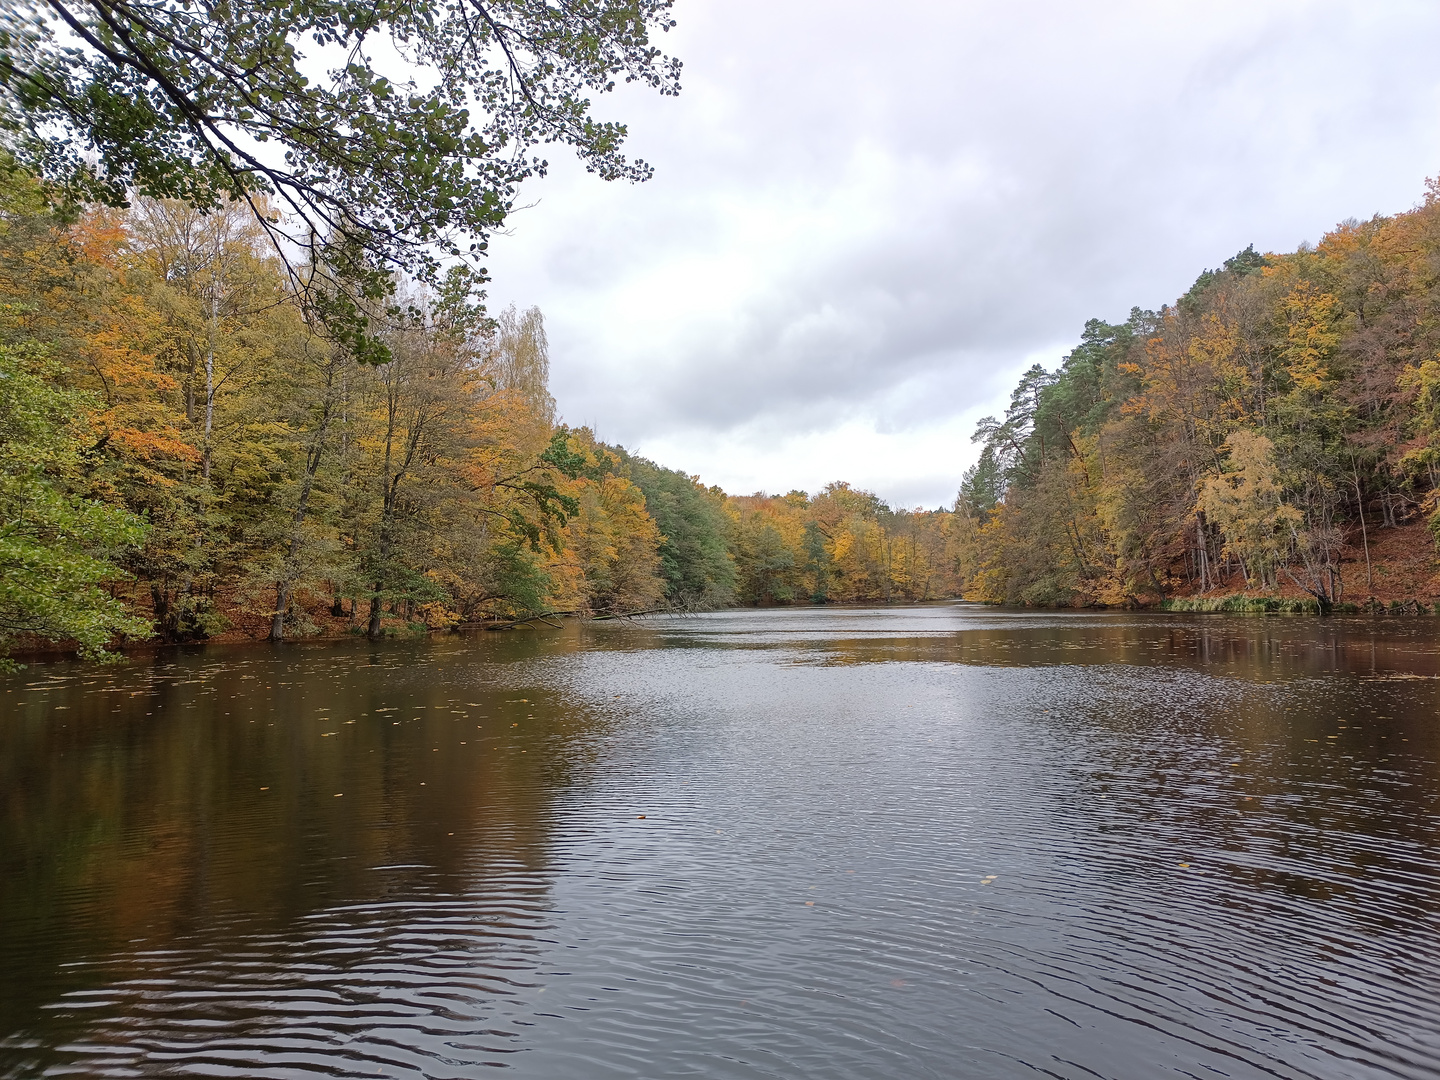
543,616
631,614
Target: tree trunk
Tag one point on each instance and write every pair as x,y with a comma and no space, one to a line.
282,605
372,629
1360,509
1202,554
210,378
290,571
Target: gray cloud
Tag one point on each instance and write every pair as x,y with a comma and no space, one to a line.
867,220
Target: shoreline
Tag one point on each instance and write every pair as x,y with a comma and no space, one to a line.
1232,604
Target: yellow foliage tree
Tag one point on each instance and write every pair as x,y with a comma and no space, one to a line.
1245,503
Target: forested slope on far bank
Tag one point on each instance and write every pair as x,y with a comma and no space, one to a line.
1274,431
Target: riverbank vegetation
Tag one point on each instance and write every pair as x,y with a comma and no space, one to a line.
258,394
248,384
187,456
1276,431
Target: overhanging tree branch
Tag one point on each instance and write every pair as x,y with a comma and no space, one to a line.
377,180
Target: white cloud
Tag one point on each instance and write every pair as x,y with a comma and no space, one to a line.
867,219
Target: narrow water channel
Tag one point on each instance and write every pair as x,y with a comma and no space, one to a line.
832,843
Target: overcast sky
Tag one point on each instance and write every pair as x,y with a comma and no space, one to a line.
868,218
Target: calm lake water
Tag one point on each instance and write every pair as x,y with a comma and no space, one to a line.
927,842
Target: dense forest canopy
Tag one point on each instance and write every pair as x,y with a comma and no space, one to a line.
1263,432
187,455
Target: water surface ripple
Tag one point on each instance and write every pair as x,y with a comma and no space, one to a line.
928,842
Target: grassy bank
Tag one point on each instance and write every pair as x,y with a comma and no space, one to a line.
1242,604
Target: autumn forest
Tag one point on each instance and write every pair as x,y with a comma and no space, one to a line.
1273,434
189,455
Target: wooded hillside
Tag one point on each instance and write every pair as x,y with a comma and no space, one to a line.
186,455
1275,430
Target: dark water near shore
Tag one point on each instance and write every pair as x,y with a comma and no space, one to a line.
932,842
